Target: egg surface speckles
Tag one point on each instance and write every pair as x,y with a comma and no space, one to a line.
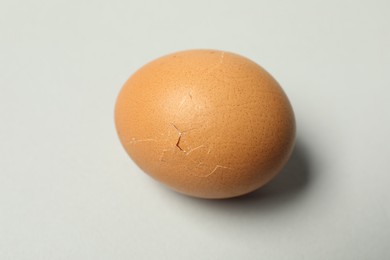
206,123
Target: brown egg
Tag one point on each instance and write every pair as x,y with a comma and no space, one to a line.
206,123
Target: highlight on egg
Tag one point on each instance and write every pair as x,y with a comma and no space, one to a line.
206,123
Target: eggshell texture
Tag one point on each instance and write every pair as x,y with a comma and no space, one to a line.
207,123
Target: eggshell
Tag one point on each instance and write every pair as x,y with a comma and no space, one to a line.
206,123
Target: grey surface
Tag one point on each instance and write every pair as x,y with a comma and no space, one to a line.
69,191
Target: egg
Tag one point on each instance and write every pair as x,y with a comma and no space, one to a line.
206,123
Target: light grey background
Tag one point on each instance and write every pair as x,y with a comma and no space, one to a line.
69,191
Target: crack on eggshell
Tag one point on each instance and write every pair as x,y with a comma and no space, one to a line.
162,154
194,170
217,64
178,143
182,102
216,168
214,171
184,99
221,58
136,141
179,138
193,149
181,134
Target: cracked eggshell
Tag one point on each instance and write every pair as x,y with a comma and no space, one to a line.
206,123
